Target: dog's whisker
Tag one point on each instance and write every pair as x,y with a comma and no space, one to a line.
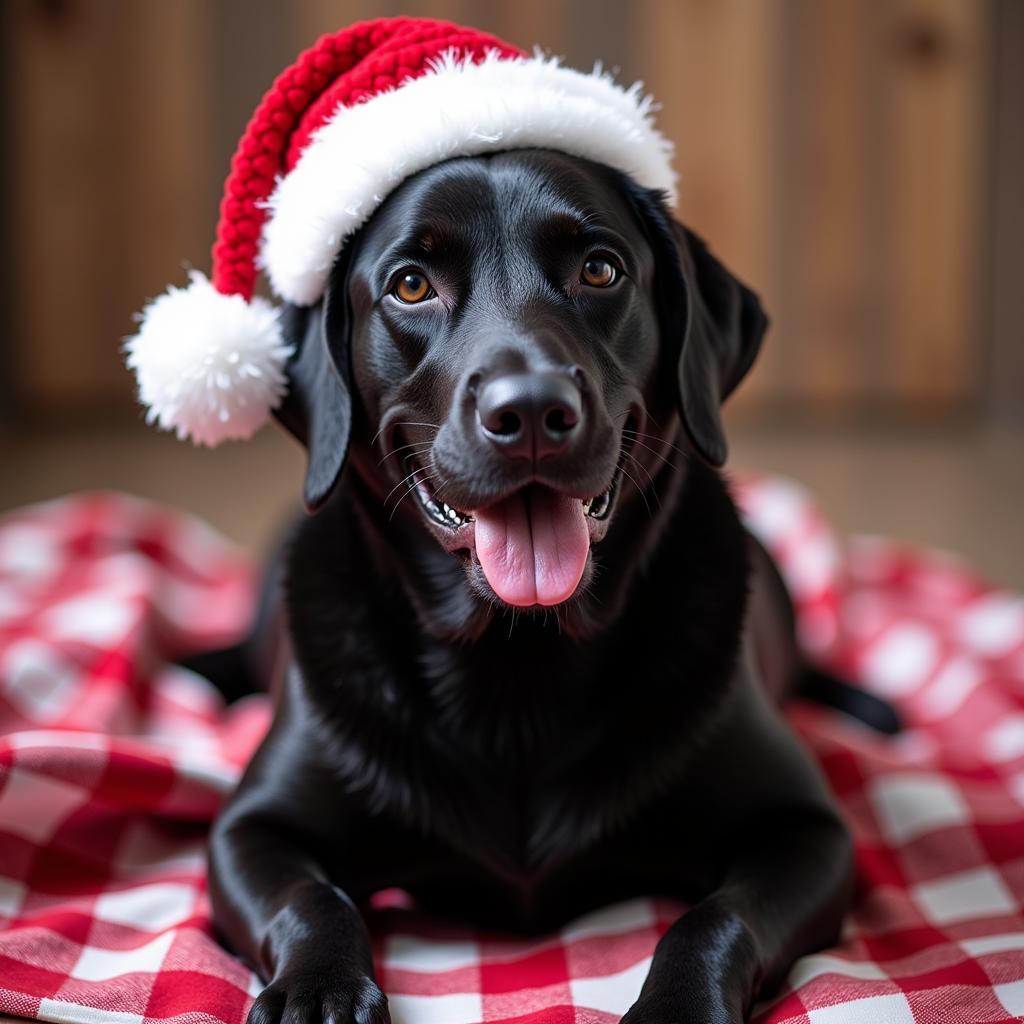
644,433
632,480
625,454
654,437
653,486
637,434
405,479
639,465
647,413
412,487
439,484
632,458
400,483
416,423
656,454
402,423
419,445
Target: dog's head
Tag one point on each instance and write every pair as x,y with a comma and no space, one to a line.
505,353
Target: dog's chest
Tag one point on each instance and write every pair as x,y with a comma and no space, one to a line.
517,824
528,771
519,819
531,859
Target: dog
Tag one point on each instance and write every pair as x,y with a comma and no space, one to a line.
533,657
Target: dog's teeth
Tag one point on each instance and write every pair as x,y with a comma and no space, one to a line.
587,504
598,507
452,514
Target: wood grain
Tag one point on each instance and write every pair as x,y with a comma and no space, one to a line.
824,247
712,67
835,153
934,128
108,164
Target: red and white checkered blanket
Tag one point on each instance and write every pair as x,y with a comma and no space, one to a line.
113,761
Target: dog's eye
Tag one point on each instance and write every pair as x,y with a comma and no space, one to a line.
412,287
599,272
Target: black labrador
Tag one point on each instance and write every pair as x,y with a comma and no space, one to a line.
534,656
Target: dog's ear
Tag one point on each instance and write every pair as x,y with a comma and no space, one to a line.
716,320
724,328
318,406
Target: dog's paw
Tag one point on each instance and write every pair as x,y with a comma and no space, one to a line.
318,999
696,1011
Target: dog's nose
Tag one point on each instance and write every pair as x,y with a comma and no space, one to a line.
530,415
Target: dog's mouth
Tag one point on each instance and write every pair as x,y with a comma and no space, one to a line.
442,514
532,545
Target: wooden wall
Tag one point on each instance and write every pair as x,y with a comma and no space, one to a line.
835,152
106,167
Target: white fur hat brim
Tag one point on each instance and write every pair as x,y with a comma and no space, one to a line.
459,108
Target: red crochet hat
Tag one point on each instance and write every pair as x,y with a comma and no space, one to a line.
339,130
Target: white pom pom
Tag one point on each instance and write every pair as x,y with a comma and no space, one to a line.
209,366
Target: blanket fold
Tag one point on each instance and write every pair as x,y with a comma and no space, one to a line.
113,761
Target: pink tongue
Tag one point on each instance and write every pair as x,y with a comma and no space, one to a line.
533,546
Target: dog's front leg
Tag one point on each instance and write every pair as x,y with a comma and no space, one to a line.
785,875
784,897
275,854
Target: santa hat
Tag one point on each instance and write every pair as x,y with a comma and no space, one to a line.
354,116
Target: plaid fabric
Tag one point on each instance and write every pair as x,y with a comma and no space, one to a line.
112,762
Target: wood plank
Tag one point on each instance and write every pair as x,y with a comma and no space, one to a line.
834,152
712,67
934,137
1006,370
822,249
525,23
161,189
107,158
55,161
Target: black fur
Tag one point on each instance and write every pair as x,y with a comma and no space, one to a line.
516,767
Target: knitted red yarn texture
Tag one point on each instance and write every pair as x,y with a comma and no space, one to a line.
340,69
